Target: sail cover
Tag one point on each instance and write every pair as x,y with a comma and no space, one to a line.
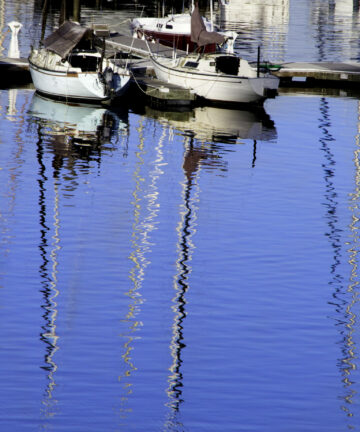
199,34
65,38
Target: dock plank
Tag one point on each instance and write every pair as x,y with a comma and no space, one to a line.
323,71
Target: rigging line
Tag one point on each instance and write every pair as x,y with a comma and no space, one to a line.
137,83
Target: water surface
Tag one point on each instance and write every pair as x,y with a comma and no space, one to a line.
182,271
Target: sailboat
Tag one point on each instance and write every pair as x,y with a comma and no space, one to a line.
173,30
220,76
69,66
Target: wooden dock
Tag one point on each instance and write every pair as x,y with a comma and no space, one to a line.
330,73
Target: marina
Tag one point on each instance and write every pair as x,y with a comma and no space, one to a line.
305,74
169,263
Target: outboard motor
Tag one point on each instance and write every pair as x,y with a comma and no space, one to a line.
107,78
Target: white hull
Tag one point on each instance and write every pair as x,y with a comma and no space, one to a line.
84,123
216,86
178,24
54,79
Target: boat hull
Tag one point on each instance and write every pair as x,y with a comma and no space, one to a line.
215,87
74,85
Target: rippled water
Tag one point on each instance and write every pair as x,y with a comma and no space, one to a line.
184,271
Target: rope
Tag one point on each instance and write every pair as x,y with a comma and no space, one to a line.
137,83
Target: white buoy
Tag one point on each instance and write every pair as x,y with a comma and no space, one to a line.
14,51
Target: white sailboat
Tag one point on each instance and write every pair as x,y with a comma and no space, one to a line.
221,76
69,66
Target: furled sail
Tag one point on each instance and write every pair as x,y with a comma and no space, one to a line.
199,34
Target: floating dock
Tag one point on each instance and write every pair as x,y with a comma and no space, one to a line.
347,73
160,93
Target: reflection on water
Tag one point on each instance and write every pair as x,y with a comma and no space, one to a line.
336,29
74,132
348,301
216,244
70,132
50,241
76,124
185,249
345,298
210,123
258,22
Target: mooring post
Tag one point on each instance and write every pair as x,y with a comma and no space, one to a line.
77,10
43,19
14,51
63,12
258,62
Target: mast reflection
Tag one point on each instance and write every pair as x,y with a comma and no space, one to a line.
214,125
185,248
349,351
145,212
66,134
49,247
343,298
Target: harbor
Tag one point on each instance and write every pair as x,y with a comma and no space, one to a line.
302,74
168,262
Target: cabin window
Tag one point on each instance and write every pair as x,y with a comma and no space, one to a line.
191,64
228,65
169,26
86,63
212,63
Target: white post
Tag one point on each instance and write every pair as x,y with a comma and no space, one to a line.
14,51
211,15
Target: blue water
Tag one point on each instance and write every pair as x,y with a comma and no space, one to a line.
192,271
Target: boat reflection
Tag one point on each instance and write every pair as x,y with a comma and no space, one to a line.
258,20
73,125
210,123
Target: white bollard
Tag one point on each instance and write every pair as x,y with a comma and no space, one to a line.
14,51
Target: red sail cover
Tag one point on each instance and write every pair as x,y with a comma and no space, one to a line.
199,34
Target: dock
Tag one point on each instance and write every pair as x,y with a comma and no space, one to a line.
331,73
14,71
160,93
